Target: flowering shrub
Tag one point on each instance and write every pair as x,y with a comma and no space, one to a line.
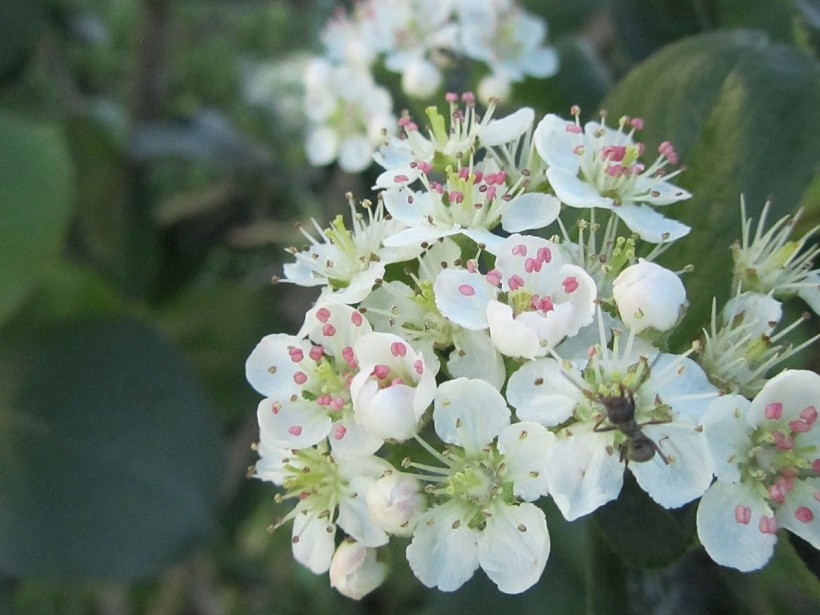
457,367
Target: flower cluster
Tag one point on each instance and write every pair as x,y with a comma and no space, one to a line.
505,362
421,40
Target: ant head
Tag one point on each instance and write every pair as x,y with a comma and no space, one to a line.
619,408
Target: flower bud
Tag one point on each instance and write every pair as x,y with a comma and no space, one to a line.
395,502
495,87
649,297
421,79
355,571
759,313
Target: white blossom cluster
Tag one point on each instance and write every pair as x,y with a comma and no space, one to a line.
504,367
420,40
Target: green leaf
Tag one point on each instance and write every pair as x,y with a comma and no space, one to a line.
114,230
35,206
742,113
22,22
784,585
775,17
642,533
109,460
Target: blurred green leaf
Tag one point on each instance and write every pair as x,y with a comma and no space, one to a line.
109,460
775,17
642,533
114,230
742,113
22,21
784,585
35,206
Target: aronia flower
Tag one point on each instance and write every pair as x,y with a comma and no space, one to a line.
766,454
600,167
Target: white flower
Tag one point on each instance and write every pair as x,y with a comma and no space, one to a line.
347,262
329,492
613,412
453,136
305,380
349,114
508,141
766,455
649,296
597,166
477,520
350,41
472,202
395,503
395,307
393,387
355,570
740,353
507,38
411,35
530,301
769,262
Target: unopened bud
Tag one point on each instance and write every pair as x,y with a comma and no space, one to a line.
649,296
395,503
355,571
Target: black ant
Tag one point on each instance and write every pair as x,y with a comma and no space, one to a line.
620,412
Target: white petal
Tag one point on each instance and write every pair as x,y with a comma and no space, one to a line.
490,241
514,547
541,62
416,236
727,435
313,541
353,516
476,357
397,177
298,424
524,445
531,210
727,541
555,145
355,154
582,474
355,571
688,474
681,383
811,294
359,285
322,145
649,224
387,413
346,326
541,391
408,206
574,191
462,297
270,369
511,337
441,555
469,413
507,129
349,439
794,388
804,495
663,193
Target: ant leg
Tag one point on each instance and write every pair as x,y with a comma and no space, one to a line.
658,450
597,427
655,422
